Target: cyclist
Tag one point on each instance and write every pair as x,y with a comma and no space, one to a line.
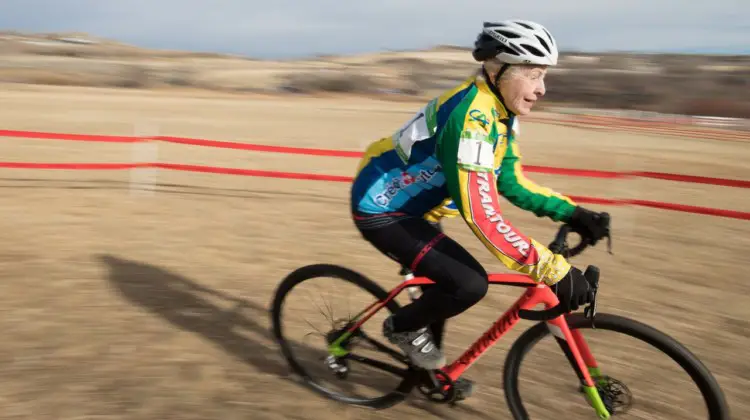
455,157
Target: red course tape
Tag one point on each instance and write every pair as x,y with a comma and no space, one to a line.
74,166
337,178
589,173
351,154
40,135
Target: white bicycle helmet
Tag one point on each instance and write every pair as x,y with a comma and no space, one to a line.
516,42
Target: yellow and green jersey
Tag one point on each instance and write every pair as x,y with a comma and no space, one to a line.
454,157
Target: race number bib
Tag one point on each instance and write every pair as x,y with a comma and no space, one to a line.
475,152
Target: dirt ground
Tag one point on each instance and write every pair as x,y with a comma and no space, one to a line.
121,304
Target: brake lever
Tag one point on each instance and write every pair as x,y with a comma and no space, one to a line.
560,246
589,312
609,242
609,233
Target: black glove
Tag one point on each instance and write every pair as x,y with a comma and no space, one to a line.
574,290
590,225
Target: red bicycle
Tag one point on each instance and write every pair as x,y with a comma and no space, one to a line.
604,394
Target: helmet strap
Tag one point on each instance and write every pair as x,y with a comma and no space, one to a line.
493,84
500,73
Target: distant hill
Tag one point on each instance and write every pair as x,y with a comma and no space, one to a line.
672,83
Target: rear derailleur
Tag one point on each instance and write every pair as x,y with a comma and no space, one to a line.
338,365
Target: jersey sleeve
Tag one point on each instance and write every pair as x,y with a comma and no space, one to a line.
526,194
466,151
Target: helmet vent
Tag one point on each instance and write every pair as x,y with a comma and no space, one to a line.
525,25
549,36
507,34
532,50
543,42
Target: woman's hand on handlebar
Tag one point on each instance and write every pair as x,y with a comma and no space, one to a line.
574,290
560,245
592,226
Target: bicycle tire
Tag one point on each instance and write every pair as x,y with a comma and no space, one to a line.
333,271
714,398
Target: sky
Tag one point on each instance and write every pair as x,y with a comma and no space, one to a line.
274,29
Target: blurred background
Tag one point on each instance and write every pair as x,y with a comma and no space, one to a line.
647,56
150,208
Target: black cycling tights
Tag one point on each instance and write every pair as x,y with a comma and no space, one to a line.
460,280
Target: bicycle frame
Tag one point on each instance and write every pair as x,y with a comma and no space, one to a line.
571,342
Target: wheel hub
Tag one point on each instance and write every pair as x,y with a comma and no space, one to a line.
615,395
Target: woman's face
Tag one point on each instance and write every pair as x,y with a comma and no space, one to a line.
522,86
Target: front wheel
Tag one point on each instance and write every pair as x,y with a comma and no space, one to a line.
611,355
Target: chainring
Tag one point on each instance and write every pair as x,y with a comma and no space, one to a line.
437,386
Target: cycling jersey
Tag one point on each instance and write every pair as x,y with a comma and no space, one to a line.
453,157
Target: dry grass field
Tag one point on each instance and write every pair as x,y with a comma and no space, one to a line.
120,304
666,83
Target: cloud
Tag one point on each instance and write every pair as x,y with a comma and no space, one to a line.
291,28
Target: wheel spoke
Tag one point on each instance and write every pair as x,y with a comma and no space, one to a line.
322,312
315,328
327,305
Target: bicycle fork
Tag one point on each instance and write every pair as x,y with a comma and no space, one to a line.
582,361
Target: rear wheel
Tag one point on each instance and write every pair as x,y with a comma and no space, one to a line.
615,392
364,363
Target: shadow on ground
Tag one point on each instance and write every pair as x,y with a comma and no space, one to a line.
179,301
